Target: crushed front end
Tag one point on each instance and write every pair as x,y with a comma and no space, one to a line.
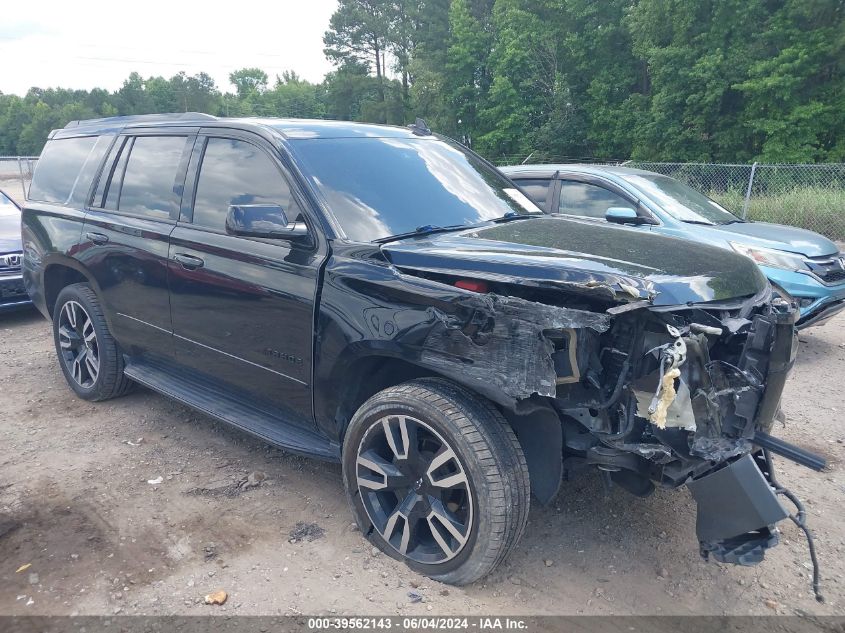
663,380
687,395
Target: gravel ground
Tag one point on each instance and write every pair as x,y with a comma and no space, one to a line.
274,532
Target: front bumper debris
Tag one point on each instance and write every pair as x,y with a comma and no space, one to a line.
821,315
737,512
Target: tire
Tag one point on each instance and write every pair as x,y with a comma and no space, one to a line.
88,355
437,479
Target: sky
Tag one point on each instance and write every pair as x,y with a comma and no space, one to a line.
95,43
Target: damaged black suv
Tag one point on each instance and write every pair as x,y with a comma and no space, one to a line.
383,297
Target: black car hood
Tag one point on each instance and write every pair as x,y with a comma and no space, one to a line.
559,251
10,233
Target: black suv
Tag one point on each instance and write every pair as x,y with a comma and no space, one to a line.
383,297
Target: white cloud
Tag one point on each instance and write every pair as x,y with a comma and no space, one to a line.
97,43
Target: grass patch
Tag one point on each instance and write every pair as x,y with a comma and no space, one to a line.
818,209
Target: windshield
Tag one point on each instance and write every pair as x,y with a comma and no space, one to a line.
7,207
681,201
380,187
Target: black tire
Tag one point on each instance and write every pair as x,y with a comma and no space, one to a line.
488,454
109,380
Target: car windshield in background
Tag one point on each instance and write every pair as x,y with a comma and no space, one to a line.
681,201
381,187
7,207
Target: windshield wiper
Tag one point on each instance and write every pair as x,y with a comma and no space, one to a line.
421,231
698,222
513,215
431,229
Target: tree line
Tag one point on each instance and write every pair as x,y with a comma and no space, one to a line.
664,80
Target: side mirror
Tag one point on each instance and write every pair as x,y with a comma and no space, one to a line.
262,220
622,215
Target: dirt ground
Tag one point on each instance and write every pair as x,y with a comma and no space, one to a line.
76,506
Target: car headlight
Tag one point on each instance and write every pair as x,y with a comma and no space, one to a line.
769,257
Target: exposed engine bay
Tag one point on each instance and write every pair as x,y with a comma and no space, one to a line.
648,395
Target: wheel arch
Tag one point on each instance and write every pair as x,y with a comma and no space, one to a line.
60,273
534,421
365,376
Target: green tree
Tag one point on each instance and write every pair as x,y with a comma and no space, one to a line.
248,82
696,51
524,64
795,92
427,66
468,78
291,96
358,35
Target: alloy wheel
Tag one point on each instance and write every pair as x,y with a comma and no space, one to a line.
78,342
414,489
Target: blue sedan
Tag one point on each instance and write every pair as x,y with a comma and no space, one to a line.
803,265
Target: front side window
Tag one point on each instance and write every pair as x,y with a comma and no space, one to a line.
235,172
58,168
149,183
379,187
588,201
537,189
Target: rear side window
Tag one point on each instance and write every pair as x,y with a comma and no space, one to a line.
588,201
536,189
59,168
149,186
239,173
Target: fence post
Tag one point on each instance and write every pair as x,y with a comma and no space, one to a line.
20,171
748,191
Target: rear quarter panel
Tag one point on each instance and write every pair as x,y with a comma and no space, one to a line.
50,235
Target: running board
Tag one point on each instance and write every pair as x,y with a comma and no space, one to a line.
238,412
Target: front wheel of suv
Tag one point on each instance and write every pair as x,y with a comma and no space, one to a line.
88,355
436,478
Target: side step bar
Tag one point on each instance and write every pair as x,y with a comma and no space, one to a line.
238,412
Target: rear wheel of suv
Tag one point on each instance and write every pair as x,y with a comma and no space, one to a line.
436,478
88,355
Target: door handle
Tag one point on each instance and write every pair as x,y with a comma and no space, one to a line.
188,262
97,238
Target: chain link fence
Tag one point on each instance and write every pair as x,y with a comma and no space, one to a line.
806,196
16,175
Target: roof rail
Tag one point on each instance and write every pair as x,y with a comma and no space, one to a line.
144,118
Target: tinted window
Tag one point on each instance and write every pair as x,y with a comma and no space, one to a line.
537,190
378,187
112,192
79,195
58,168
105,174
149,183
237,172
590,201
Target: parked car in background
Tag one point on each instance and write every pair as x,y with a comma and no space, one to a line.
802,264
383,297
12,292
